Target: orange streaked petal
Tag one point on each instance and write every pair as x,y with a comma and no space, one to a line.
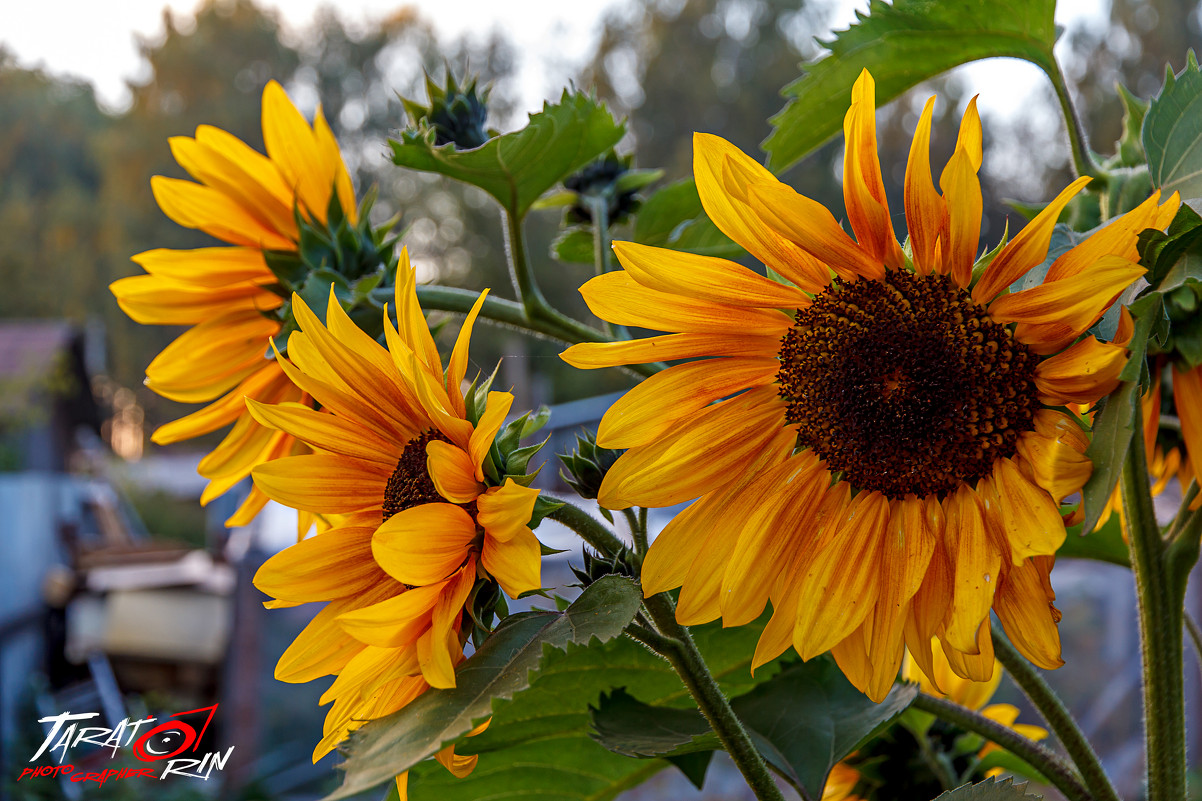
592,355
1029,516
863,187
323,482
698,456
207,267
209,210
618,298
326,431
704,278
1024,605
332,565
975,562
724,174
926,212
657,403
1187,396
962,194
395,622
1081,374
1028,249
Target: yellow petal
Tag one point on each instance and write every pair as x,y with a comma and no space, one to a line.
1028,249
863,187
332,565
322,648
438,650
975,562
505,512
395,622
926,213
807,224
496,408
784,499
1118,237
1081,374
659,402
413,330
451,470
618,298
323,483
515,563
457,365
268,383
1063,310
962,194
424,544
843,580
291,145
1024,605
326,431
684,538
152,300
704,278
724,174
209,210
1029,516
696,458
1187,396
978,665
591,355
458,765
931,605
207,267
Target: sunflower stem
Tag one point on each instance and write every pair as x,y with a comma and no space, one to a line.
1058,718
506,312
1053,768
599,209
1161,604
588,528
712,702
535,305
1083,161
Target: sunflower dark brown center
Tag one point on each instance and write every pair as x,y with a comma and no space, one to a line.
410,484
905,384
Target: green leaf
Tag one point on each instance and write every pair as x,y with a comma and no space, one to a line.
989,790
814,717
1104,545
538,745
1113,429
693,766
518,167
803,720
499,669
674,218
627,726
1162,251
1151,325
1129,149
902,45
573,246
1172,132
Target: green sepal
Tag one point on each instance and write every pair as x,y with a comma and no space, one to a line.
287,266
517,460
980,265
1129,149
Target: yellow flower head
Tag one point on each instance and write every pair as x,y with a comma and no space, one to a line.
397,460
874,447
224,293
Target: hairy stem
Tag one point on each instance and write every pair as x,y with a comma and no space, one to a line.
1160,625
1054,769
1058,718
589,528
695,674
1083,161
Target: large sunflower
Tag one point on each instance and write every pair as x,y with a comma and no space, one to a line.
226,294
875,446
401,460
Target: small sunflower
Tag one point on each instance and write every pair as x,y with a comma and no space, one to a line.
874,446
227,294
402,460
895,764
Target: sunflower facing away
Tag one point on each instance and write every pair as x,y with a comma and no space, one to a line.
875,447
403,462
898,766
226,294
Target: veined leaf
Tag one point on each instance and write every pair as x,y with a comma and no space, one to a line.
500,669
538,745
1172,132
803,720
902,45
516,168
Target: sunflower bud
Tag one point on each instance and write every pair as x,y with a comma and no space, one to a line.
587,465
596,566
609,180
456,114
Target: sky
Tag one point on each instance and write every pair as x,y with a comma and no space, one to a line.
96,39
